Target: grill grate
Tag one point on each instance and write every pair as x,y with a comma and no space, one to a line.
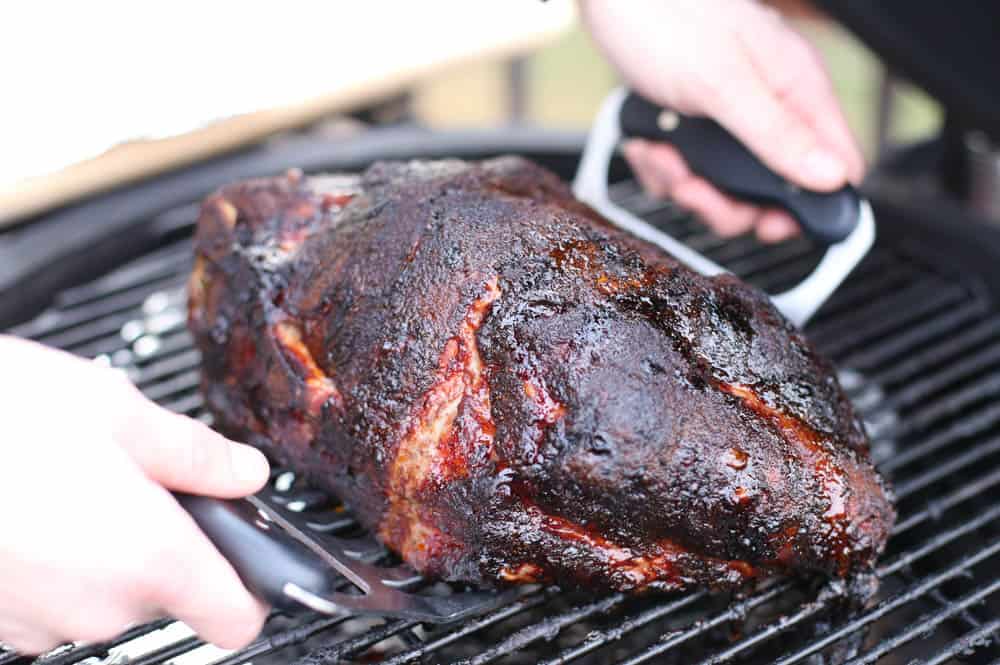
920,345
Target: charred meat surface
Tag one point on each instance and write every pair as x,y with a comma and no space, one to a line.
505,388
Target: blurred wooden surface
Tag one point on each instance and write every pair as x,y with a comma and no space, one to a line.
566,80
372,51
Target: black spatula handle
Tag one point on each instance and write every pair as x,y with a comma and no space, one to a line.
264,556
719,157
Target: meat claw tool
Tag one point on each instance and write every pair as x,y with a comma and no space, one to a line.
841,221
291,566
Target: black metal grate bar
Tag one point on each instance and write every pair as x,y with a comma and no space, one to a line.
975,424
926,623
760,259
734,612
867,324
336,652
937,507
967,644
599,639
189,404
148,272
884,608
879,275
971,456
908,365
63,329
810,609
469,628
959,399
280,641
916,390
545,628
169,651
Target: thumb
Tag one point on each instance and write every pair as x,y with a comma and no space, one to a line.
183,454
779,137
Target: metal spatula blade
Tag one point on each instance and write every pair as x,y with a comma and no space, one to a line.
290,566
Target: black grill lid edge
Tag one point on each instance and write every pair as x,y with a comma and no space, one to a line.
87,239
951,49
80,241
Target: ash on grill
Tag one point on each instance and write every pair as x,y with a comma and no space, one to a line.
920,348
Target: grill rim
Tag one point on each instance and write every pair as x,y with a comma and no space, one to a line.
110,228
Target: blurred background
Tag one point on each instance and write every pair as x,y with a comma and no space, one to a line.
117,92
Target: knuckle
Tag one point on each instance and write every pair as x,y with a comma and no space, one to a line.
783,138
769,15
102,629
202,457
25,639
634,159
797,142
809,57
195,459
786,81
702,93
104,622
773,126
242,631
157,579
798,78
33,645
117,381
653,185
144,585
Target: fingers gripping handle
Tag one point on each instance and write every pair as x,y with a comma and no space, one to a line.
265,558
719,157
840,219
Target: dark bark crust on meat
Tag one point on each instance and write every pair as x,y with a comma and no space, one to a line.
505,388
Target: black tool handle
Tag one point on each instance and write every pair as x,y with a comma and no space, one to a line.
719,157
265,557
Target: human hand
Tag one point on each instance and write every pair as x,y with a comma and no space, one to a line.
92,541
739,63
